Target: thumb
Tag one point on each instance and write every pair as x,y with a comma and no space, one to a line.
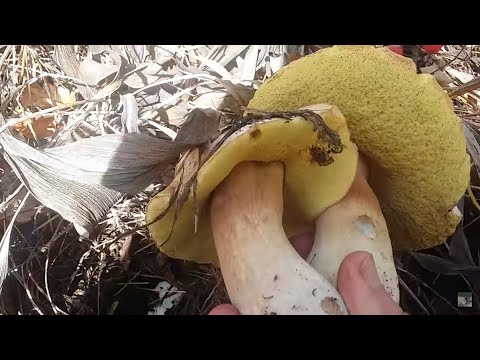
224,309
361,289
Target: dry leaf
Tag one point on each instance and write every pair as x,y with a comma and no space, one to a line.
262,54
66,58
65,96
473,145
459,250
246,72
160,131
43,127
441,62
241,94
93,72
216,67
98,49
145,99
130,114
167,49
26,213
278,62
162,55
273,57
209,51
213,99
90,175
442,78
223,96
39,96
459,75
46,96
42,97
230,53
203,89
146,75
135,53
125,252
200,126
294,52
440,265
176,114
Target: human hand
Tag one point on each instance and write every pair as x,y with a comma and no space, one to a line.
357,282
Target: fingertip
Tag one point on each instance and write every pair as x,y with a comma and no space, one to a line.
360,287
224,309
355,260
349,281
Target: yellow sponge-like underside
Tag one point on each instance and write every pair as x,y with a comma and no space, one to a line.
310,185
403,122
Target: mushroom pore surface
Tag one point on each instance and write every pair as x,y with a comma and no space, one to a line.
312,182
401,121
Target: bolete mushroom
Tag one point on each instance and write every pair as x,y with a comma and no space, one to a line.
400,193
248,192
409,138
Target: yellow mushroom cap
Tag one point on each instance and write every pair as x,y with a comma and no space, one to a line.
312,181
403,122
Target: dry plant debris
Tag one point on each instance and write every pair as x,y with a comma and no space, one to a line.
89,134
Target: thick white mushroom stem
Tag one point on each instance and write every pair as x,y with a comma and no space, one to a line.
263,273
355,223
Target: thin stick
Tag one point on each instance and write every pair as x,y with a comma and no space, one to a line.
413,296
209,297
10,197
45,223
14,121
174,79
100,120
451,61
56,310
21,280
429,288
124,286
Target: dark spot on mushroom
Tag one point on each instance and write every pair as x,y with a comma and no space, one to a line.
330,306
314,292
256,133
273,313
294,306
275,277
320,156
267,297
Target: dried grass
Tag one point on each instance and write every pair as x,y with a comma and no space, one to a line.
53,270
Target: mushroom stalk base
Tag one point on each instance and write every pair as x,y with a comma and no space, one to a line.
356,223
263,273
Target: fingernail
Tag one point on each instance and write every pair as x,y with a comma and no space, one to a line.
368,271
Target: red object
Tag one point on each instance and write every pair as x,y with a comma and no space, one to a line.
396,49
431,49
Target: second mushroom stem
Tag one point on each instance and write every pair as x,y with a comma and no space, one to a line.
263,273
356,223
